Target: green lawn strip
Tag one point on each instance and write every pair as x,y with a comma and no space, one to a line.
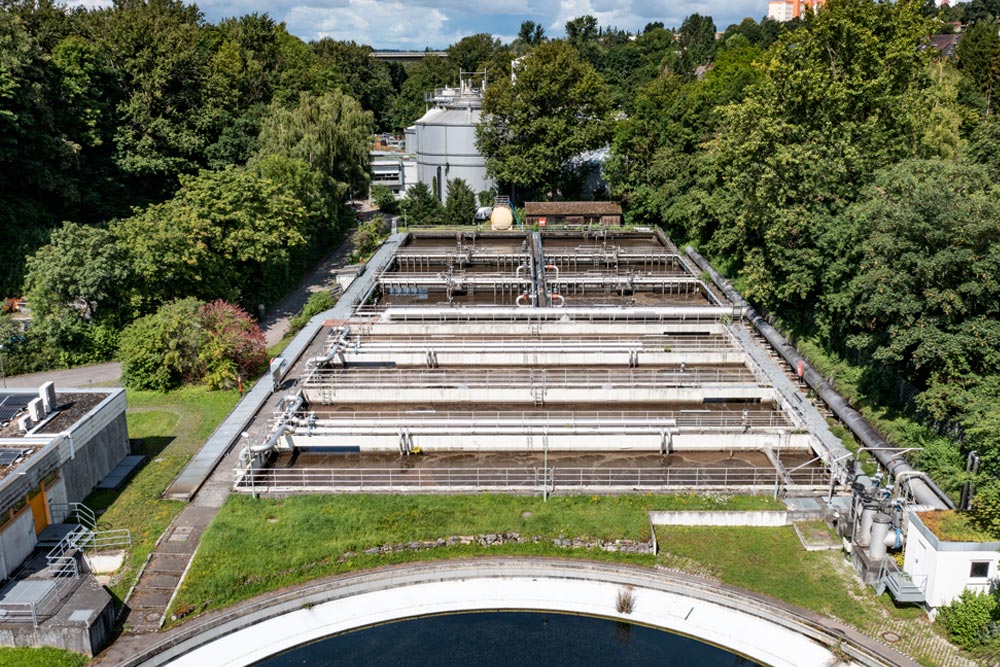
41,657
772,561
172,426
898,428
749,558
256,546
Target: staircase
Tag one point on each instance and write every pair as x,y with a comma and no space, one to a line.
900,585
85,535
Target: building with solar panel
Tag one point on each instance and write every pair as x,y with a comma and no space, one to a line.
55,447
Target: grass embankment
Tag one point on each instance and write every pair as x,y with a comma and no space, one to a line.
771,561
41,657
898,427
257,546
172,428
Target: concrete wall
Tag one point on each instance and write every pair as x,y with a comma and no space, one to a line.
757,518
95,456
546,358
87,637
17,541
946,565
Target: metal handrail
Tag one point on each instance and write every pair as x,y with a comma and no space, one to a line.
696,420
510,478
516,377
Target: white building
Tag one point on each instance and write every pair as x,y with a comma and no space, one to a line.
396,171
53,449
946,568
780,10
444,139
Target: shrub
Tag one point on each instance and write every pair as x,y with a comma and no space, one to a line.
971,619
232,345
190,341
315,305
384,199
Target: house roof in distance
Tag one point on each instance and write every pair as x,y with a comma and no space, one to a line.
572,208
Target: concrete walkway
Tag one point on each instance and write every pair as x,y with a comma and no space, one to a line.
324,276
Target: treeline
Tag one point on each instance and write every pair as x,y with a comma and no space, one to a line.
847,177
149,156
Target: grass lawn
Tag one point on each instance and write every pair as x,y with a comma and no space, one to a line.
41,657
257,546
173,427
772,561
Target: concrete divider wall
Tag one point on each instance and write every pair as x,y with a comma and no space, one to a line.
759,518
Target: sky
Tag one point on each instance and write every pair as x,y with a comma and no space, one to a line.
417,24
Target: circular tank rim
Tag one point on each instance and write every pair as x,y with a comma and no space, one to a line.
680,603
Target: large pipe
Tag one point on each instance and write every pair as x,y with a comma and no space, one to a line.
924,490
269,444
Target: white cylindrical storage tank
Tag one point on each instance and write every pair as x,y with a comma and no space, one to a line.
880,530
445,141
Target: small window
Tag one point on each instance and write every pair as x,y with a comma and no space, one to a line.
980,570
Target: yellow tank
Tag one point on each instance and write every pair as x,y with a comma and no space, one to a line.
502,219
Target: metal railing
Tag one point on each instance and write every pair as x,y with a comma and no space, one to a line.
689,420
372,378
568,479
37,610
64,512
465,343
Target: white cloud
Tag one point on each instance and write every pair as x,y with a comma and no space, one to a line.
391,24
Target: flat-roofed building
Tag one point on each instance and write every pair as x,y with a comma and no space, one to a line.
547,214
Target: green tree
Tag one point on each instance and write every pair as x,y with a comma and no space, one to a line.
421,207
471,53
696,40
225,234
384,199
76,283
360,76
188,341
531,33
557,108
979,59
922,272
430,73
786,174
460,208
162,52
328,132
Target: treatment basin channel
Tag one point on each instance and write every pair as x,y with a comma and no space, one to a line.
752,630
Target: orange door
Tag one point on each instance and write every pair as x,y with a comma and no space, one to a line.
39,511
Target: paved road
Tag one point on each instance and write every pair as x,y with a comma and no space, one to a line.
276,322
96,375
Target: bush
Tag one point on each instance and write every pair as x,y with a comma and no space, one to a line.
368,236
190,341
384,199
160,351
315,305
971,619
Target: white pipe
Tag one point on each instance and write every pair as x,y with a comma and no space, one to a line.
562,299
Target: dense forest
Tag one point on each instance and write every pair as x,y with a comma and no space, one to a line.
843,171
